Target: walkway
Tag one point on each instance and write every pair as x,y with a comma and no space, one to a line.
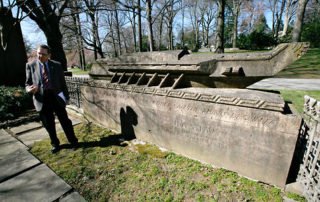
288,84
23,177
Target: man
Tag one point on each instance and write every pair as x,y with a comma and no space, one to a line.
45,80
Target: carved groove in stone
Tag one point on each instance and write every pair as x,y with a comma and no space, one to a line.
141,79
162,92
309,107
191,96
177,82
177,94
164,81
153,80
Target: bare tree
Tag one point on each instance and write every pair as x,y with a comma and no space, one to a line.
208,14
78,33
296,33
195,19
235,8
47,15
290,10
277,8
92,13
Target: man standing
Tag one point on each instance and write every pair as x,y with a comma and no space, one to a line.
45,80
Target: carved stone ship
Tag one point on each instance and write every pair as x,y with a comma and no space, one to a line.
198,70
163,98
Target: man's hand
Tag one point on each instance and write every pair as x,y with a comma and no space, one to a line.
32,89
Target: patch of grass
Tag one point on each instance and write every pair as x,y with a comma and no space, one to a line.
78,71
308,66
297,97
104,169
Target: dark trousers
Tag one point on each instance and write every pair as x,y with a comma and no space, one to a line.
52,104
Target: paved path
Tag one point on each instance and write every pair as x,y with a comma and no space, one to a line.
288,84
23,177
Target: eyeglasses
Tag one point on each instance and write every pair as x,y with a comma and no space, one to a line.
42,54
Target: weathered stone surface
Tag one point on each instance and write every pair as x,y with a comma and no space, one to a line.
29,138
14,156
255,141
237,70
16,161
73,197
6,142
25,127
37,184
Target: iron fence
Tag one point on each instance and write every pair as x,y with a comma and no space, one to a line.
309,141
74,84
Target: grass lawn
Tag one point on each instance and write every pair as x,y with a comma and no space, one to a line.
308,66
78,71
296,97
105,169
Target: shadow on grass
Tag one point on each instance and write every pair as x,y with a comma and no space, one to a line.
111,140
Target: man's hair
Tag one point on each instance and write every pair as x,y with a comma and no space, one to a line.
44,46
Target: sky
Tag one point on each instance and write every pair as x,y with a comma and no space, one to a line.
32,33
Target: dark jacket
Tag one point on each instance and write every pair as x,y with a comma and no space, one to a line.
33,77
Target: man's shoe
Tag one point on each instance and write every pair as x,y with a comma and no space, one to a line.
55,149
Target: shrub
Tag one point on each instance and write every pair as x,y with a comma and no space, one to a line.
14,101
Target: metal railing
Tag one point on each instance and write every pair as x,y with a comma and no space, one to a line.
309,141
74,84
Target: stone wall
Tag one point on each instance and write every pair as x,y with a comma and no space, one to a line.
240,130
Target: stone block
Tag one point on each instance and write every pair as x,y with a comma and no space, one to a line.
25,127
37,184
243,131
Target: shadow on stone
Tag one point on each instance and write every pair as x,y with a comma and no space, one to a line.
128,118
300,149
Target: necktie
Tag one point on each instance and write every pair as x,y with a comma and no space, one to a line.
45,77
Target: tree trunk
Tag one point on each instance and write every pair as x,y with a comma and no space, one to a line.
160,32
279,19
149,19
296,33
139,26
134,30
182,27
118,29
286,18
78,31
236,11
220,27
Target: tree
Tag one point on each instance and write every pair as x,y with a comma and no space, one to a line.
296,33
149,20
311,25
220,27
47,15
235,7
291,6
208,12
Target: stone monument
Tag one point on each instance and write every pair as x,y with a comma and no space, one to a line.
12,50
172,102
